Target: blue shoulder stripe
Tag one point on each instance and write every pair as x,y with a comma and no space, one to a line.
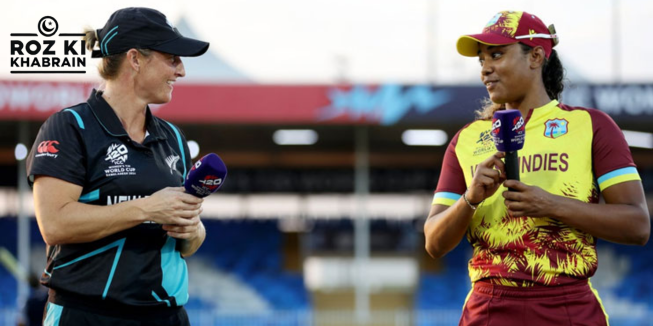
52,314
181,146
447,195
617,173
90,196
77,117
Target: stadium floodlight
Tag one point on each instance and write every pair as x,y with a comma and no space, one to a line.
295,137
424,137
639,139
194,148
20,152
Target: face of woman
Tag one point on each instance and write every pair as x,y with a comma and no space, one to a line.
157,77
505,72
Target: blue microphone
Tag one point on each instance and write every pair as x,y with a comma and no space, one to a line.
508,132
206,176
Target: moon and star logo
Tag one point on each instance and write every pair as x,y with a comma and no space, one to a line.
48,26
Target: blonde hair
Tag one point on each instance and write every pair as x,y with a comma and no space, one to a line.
488,108
110,65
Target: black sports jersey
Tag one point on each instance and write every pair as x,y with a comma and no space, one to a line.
87,145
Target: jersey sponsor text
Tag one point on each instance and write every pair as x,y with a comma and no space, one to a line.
540,162
47,148
112,200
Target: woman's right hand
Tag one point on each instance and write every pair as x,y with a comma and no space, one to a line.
489,175
172,205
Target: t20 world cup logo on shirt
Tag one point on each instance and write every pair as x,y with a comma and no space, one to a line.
117,154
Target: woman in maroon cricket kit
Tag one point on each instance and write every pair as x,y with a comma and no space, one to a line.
534,248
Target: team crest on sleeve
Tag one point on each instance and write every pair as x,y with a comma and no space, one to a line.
555,128
118,154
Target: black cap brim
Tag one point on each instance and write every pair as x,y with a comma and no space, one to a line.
183,47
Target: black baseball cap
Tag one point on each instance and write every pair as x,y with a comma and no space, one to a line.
144,28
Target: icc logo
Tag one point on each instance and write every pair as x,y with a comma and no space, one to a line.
56,55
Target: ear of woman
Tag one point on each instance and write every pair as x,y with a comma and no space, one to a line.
134,59
537,57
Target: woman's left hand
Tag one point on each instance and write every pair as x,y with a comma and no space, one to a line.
184,232
527,200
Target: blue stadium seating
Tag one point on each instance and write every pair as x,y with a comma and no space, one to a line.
8,286
252,251
448,288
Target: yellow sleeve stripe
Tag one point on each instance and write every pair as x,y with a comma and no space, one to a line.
445,198
618,176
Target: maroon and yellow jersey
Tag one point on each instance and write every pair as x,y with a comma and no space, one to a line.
571,152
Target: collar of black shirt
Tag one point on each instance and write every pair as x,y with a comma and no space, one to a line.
111,123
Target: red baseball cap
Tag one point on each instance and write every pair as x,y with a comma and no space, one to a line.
508,27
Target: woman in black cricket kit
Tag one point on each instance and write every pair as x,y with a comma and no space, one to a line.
107,178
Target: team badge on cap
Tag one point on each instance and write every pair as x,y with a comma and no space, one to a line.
508,27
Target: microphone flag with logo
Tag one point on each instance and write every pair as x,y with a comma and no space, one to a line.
508,132
206,176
